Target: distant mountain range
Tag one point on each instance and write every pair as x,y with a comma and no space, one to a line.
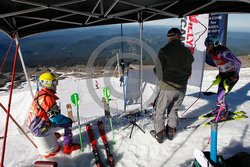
74,46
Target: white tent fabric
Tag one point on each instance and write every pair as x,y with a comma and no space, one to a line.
149,82
133,86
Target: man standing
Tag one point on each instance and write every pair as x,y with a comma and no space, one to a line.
176,61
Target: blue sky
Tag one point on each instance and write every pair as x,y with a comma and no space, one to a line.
236,22
239,21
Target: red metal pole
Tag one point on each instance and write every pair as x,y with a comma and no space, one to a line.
9,105
20,128
6,56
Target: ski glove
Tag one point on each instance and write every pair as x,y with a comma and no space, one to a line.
47,125
229,81
217,80
226,86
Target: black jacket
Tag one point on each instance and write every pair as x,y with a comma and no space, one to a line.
176,61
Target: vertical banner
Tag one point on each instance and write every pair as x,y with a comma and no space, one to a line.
194,31
217,26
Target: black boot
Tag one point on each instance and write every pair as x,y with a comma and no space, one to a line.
158,136
170,132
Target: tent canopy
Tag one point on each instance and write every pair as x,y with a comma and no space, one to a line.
33,16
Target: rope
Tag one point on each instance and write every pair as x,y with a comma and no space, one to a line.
197,99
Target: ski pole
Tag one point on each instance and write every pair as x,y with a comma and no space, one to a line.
106,93
106,98
37,83
197,99
111,127
217,116
75,100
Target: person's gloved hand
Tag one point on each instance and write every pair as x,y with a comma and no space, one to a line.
47,125
217,80
226,87
229,81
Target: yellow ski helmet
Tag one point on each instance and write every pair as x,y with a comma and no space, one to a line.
48,80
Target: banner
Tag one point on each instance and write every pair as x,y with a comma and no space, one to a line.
194,31
217,26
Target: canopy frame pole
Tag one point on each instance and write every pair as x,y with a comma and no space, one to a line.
19,126
5,57
93,11
201,7
110,8
9,106
23,64
163,9
140,20
123,66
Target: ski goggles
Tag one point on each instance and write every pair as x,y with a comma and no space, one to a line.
55,82
208,43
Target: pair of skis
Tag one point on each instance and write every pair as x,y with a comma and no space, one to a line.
236,115
93,141
105,100
210,115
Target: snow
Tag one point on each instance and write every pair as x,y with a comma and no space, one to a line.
141,150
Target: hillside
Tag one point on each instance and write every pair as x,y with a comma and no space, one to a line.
79,72
74,46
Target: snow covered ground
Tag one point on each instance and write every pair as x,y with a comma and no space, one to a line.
141,150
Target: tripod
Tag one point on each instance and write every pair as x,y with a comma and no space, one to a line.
132,119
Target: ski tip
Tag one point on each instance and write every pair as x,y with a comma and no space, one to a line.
207,124
202,117
241,112
240,117
244,112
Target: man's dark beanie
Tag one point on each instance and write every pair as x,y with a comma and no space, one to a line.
173,32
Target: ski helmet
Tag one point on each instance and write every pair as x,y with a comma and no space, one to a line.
212,39
48,80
